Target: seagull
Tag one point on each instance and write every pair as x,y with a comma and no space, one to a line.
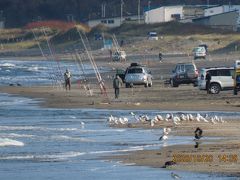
159,117
135,116
164,136
111,119
168,117
82,124
175,176
176,120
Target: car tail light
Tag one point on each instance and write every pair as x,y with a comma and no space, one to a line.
196,73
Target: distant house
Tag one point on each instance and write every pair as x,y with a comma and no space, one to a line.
222,9
163,14
227,20
113,21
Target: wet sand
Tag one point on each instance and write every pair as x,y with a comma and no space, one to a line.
159,97
220,155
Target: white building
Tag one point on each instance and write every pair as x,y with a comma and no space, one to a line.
114,21
163,14
222,9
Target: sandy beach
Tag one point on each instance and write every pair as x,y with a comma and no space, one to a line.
222,152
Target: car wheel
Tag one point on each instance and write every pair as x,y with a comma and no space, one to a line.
215,88
127,85
173,83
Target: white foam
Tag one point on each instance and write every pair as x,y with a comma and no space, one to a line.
45,157
14,135
7,65
10,142
62,137
13,128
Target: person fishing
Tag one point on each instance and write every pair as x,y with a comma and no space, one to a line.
117,82
67,77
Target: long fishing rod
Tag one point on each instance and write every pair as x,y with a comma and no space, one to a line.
96,67
98,75
58,74
87,86
43,55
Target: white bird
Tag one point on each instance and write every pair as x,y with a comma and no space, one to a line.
176,120
135,116
152,122
168,117
164,136
191,118
110,119
221,120
183,117
175,176
82,124
213,120
160,118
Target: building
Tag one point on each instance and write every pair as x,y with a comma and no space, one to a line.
114,21
226,20
222,9
163,14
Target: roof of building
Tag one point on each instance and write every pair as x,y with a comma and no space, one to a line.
207,17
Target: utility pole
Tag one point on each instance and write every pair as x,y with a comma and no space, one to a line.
149,7
139,10
103,9
122,3
207,3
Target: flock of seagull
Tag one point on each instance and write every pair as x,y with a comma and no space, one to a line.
170,118
175,119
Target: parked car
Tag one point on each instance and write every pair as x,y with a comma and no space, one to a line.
221,79
184,73
152,36
119,56
138,75
199,52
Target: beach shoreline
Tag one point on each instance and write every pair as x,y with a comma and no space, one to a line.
159,97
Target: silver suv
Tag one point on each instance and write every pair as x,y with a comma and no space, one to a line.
138,75
221,79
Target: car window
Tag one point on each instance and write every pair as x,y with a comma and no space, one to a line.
224,72
189,68
135,70
213,72
182,68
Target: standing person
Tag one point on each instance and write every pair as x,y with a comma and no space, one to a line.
67,77
160,56
208,80
117,82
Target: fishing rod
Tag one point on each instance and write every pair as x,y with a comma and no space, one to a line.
98,75
58,72
87,86
44,56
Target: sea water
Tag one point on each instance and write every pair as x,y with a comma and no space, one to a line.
47,143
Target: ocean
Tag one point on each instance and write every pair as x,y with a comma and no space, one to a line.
47,143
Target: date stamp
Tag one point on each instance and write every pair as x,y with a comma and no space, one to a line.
204,158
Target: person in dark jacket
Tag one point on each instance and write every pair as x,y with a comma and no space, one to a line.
117,82
208,80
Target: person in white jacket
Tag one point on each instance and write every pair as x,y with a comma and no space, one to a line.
67,77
